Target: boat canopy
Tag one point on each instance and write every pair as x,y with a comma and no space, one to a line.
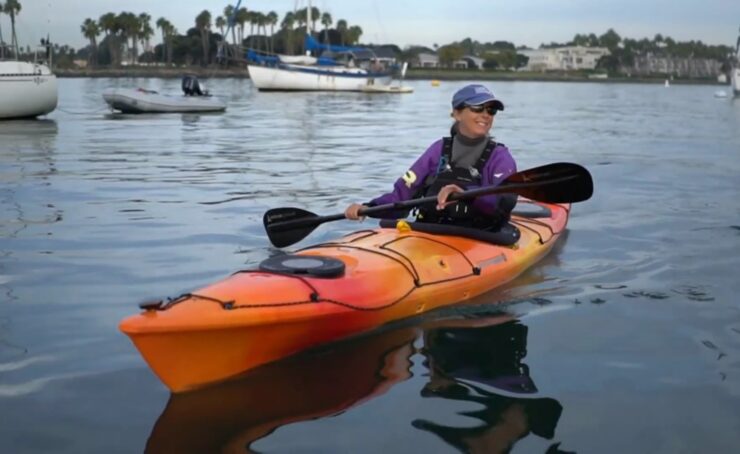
310,43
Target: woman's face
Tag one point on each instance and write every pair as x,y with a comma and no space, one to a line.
475,121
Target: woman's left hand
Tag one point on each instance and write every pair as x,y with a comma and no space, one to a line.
444,193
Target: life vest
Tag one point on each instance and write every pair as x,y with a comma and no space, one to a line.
459,213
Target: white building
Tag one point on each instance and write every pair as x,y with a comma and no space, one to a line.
426,60
563,58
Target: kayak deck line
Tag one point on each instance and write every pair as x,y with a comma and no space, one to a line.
387,274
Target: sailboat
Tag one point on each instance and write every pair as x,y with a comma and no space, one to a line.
335,68
27,89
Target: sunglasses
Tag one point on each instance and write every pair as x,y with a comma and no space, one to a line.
479,109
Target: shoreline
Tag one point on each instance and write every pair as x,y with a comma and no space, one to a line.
412,74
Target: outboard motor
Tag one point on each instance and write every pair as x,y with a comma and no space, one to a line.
191,87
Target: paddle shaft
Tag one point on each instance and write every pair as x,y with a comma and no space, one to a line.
470,194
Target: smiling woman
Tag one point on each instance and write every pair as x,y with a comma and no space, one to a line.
467,159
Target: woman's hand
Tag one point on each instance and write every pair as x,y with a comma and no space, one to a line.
444,193
353,212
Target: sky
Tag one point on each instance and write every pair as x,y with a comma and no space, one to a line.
420,22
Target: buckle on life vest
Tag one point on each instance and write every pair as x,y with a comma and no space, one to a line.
402,226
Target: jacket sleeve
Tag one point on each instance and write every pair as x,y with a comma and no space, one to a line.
498,168
410,182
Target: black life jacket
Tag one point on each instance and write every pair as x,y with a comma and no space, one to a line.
459,213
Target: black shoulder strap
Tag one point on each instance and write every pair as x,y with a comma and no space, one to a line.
446,155
447,148
485,156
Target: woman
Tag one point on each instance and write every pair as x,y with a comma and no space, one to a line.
467,159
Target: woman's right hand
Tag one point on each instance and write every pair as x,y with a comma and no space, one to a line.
353,212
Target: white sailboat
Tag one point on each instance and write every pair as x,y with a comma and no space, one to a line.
338,68
27,89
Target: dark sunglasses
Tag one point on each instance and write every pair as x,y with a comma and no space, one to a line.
479,109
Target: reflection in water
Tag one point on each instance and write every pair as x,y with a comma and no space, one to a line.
27,165
231,416
469,360
483,365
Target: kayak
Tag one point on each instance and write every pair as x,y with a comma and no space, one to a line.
333,290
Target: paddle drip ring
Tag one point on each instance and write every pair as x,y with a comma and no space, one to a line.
310,265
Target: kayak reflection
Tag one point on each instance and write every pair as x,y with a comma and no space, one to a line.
230,417
483,365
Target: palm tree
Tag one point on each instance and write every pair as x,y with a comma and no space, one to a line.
109,24
272,20
287,24
162,24
171,32
203,23
145,29
12,8
230,20
326,22
220,23
342,29
91,31
353,34
315,15
129,28
242,17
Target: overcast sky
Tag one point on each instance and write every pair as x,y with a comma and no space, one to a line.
424,22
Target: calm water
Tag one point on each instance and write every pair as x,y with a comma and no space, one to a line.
625,339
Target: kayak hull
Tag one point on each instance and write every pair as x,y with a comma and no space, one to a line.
255,317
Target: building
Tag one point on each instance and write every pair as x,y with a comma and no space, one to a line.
563,58
426,60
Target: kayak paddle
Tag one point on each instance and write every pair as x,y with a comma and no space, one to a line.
560,182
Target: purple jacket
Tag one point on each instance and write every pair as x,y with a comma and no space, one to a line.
499,166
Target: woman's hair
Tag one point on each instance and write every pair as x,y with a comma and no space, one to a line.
453,129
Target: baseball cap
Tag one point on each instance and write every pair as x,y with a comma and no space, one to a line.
475,95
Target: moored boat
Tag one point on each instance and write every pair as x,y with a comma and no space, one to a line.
139,100
27,89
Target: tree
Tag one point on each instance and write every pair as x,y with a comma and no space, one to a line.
242,17
272,20
342,28
610,39
230,20
448,55
90,30
109,23
353,34
162,24
12,8
145,30
326,21
287,25
203,24
129,28
220,23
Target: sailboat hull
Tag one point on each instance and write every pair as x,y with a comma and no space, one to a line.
26,90
313,78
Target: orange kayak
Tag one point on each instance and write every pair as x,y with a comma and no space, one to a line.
331,291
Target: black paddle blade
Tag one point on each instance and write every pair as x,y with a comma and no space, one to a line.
561,182
286,226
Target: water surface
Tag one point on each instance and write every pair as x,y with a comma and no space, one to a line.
625,339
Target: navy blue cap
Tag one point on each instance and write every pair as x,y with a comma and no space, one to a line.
474,95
